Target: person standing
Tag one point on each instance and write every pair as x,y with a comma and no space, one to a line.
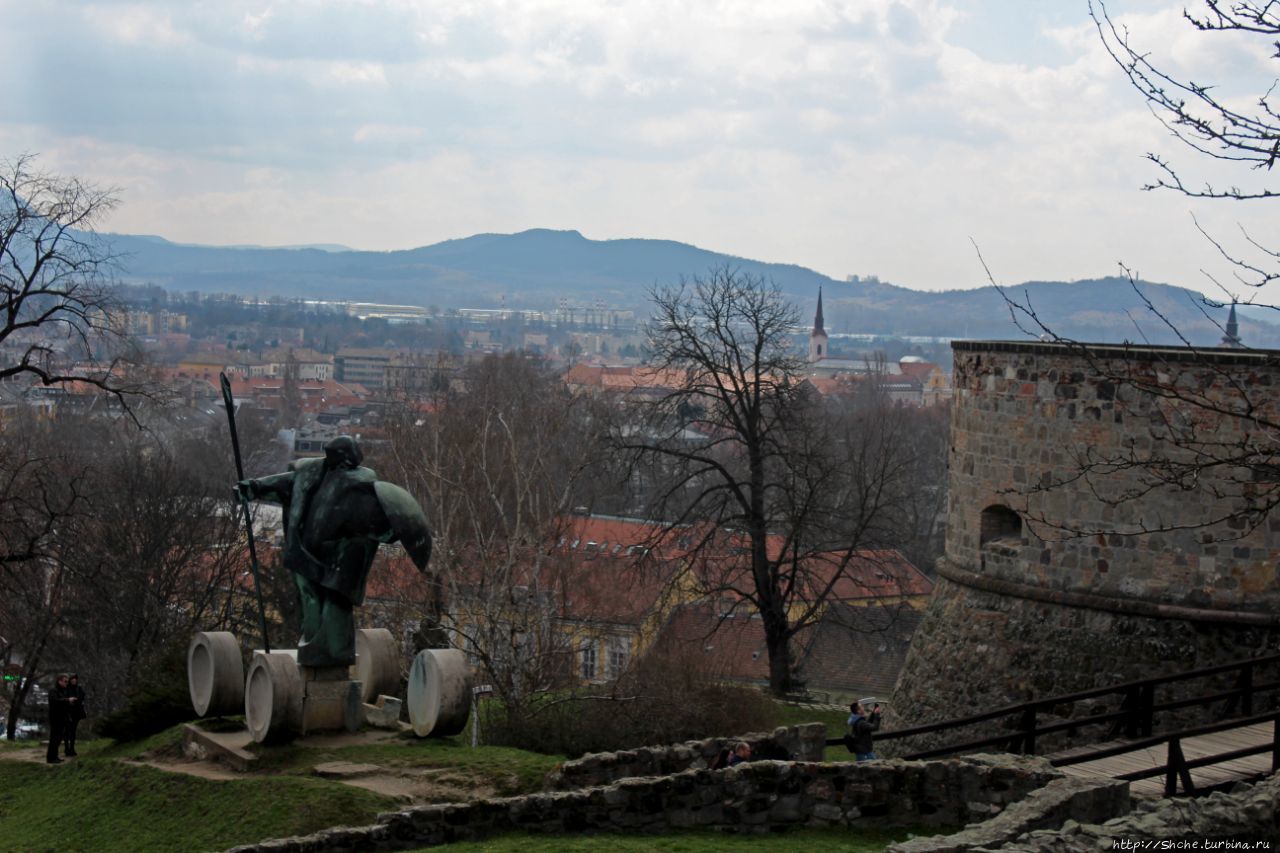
59,711
75,712
861,725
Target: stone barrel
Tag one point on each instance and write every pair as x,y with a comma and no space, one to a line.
377,665
215,674
273,695
439,692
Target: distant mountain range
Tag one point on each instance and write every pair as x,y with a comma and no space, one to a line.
537,268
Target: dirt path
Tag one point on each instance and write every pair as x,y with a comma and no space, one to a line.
35,754
201,769
406,784
419,785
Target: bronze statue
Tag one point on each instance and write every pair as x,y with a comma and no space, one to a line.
336,514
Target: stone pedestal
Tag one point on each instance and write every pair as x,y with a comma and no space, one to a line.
282,700
331,700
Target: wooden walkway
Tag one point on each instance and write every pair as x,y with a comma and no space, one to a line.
1192,748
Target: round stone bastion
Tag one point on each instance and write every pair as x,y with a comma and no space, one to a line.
1072,561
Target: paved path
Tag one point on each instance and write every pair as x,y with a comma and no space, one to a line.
1192,748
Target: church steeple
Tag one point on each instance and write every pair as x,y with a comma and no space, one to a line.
1231,340
818,337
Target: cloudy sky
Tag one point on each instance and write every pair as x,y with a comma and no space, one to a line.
851,136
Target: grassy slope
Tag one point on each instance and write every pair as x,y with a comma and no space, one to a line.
509,771
97,803
103,805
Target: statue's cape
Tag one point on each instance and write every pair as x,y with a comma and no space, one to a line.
407,521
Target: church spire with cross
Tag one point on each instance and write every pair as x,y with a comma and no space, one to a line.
1231,340
818,337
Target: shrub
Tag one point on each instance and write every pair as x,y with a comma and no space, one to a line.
157,702
662,700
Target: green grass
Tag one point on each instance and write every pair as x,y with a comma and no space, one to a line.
25,743
826,840
791,715
508,771
98,804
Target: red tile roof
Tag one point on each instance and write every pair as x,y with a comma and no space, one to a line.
844,576
730,647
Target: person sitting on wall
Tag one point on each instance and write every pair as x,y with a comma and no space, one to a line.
741,753
861,725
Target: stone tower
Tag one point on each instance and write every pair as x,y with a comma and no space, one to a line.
818,337
1023,610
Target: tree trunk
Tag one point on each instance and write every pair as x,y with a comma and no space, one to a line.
20,697
778,644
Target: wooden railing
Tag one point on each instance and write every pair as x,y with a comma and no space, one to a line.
1177,768
1134,718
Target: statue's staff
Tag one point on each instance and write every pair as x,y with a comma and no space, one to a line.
244,502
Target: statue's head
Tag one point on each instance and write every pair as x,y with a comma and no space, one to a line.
342,452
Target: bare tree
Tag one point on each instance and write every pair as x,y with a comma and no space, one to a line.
782,497
1214,126
1195,112
501,460
57,302
142,551
167,552
44,497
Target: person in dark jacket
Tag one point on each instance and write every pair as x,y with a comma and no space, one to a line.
75,712
741,754
861,725
59,711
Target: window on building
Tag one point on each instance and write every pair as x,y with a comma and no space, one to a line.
619,654
472,652
587,656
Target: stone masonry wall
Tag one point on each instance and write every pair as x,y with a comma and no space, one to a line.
1248,814
756,797
1025,414
975,651
1037,612
797,743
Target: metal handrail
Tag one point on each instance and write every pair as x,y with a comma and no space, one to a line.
1139,715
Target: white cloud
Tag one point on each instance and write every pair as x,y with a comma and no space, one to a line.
136,24
860,136
361,73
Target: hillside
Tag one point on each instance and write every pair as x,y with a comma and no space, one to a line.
538,268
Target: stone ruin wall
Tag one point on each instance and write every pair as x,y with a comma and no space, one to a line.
753,798
1037,613
805,742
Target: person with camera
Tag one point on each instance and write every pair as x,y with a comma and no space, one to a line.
861,725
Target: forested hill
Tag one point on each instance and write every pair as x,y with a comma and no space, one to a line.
538,268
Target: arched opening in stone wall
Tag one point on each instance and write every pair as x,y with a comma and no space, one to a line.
1000,524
